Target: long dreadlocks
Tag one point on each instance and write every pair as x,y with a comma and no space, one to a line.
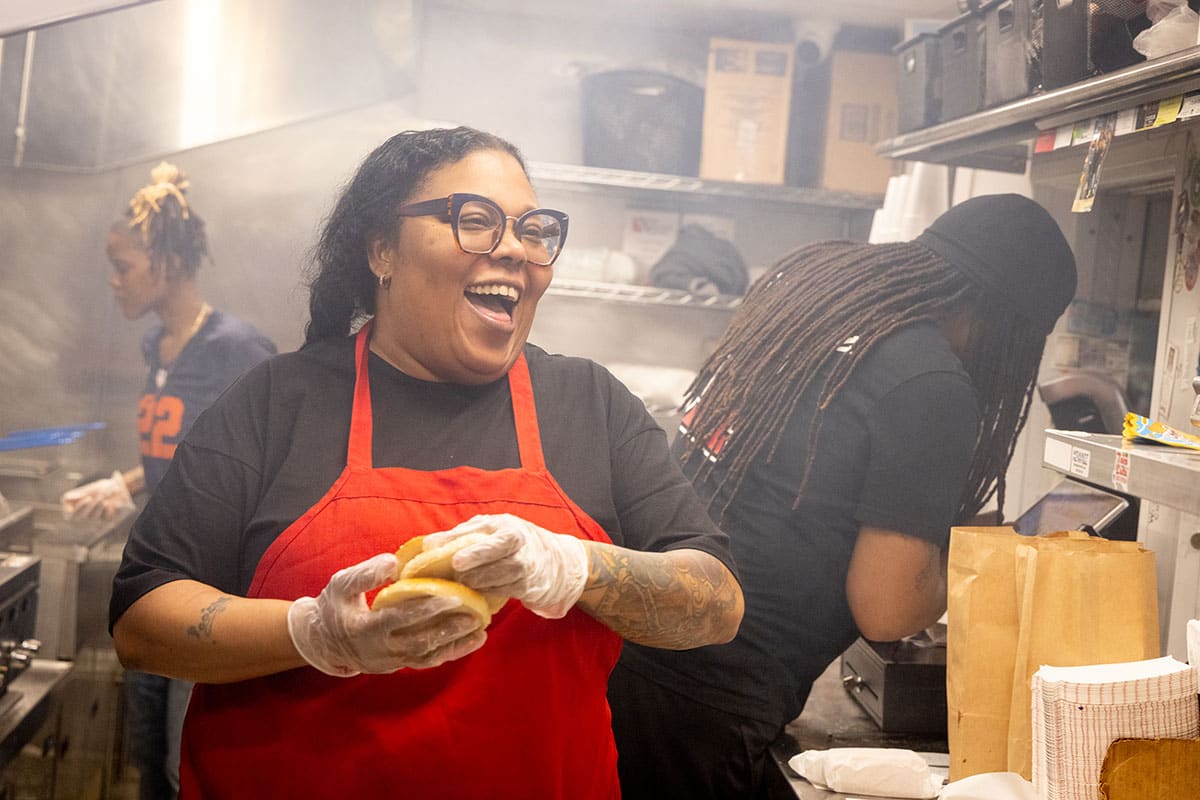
816,315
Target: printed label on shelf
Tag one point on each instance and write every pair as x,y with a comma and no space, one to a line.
1126,121
1045,141
1081,462
1063,136
1120,473
1057,454
1190,106
1168,111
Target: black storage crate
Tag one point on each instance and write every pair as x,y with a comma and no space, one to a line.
642,120
919,82
963,66
1013,42
1084,38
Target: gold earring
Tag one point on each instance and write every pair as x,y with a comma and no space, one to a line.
385,282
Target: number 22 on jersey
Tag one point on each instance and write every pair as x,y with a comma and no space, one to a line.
159,418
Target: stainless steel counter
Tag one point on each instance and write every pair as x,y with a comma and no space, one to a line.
26,705
830,719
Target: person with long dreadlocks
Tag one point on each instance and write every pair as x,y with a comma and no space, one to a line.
863,399
193,354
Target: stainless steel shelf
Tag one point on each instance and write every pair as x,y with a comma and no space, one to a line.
601,178
997,137
641,295
1158,473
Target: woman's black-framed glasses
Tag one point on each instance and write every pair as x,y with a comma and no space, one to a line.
478,225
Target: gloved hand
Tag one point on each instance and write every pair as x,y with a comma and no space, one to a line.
340,635
546,571
100,499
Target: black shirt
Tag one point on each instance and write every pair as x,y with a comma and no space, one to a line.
893,452
275,442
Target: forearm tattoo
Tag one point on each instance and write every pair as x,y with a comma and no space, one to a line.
656,601
207,617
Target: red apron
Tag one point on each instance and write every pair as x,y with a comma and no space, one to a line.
525,716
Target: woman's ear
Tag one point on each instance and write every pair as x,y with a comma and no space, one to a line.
381,255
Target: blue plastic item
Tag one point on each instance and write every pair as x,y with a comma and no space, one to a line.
46,437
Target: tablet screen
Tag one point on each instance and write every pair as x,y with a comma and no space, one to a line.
1071,506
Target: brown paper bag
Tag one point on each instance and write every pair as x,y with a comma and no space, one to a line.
1016,603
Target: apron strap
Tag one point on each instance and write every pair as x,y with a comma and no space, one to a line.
529,438
358,454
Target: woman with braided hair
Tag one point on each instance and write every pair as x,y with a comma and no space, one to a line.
863,399
193,354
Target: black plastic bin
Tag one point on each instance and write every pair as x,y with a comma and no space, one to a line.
963,66
642,120
1013,42
1084,38
919,82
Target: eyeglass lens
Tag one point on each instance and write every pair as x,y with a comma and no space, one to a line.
481,226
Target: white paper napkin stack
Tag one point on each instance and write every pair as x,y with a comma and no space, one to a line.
1079,711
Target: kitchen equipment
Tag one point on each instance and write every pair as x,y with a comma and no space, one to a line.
901,685
29,477
19,574
78,559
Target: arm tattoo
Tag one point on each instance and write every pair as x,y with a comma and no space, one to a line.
207,617
930,573
657,601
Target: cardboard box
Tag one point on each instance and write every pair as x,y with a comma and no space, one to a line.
747,97
862,112
1150,769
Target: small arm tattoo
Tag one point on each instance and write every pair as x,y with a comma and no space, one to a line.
659,602
207,617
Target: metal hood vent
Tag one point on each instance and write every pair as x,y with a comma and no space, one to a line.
160,77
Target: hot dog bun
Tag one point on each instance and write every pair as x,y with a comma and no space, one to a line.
421,573
407,588
435,563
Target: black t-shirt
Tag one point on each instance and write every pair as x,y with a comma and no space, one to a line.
893,452
275,442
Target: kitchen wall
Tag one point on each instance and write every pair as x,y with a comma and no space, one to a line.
66,353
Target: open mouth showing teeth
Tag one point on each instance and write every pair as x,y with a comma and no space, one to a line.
495,299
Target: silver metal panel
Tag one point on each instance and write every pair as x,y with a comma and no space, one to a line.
1158,473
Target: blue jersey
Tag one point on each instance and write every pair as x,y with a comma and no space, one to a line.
177,393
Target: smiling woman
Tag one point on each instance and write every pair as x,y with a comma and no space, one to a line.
417,408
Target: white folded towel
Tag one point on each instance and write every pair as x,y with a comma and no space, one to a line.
881,771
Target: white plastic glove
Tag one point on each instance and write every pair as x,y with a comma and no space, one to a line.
100,499
340,635
545,571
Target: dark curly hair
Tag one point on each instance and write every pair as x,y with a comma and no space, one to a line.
341,284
